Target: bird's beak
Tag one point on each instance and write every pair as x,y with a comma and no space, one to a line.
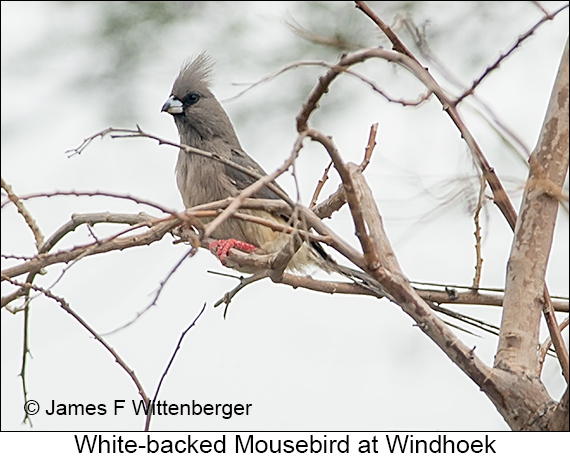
173,106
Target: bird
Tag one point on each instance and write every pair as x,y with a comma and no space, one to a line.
203,123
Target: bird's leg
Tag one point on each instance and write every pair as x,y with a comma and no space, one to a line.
221,247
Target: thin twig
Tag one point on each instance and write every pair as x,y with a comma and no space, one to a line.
507,134
320,186
311,63
243,282
16,257
478,323
139,133
254,188
25,353
541,8
150,406
39,238
504,55
556,336
97,193
30,221
370,146
189,253
161,228
325,236
368,249
397,44
477,233
501,198
333,203
65,306
545,347
335,42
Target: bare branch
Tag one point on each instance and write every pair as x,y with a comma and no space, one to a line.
150,409
507,134
189,253
30,221
397,44
43,260
373,220
399,101
526,294
501,198
139,133
369,147
326,236
85,325
555,334
504,55
320,186
17,257
370,255
290,246
243,282
255,187
541,8
560,419
333,203
544,347
25,352
494,384
477,233
97,193
312,63
393,280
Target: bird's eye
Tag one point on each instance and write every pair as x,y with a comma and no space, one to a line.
191,98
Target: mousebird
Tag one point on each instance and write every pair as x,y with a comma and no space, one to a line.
203,123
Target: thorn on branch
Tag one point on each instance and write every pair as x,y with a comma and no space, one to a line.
452,293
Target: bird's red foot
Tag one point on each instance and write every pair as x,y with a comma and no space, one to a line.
221,247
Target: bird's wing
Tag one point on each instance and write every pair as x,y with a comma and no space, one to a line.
242,180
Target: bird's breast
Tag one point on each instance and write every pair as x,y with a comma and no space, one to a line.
201,180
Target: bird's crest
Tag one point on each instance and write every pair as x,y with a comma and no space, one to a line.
194,76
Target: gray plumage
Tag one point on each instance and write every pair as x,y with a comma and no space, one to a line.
203,123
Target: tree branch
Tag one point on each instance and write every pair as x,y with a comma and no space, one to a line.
85,325
501,198
547,17
526,294
149,414
30,221
43,260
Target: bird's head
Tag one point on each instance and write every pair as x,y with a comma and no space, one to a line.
199,117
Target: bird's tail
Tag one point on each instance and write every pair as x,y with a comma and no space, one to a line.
375,288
